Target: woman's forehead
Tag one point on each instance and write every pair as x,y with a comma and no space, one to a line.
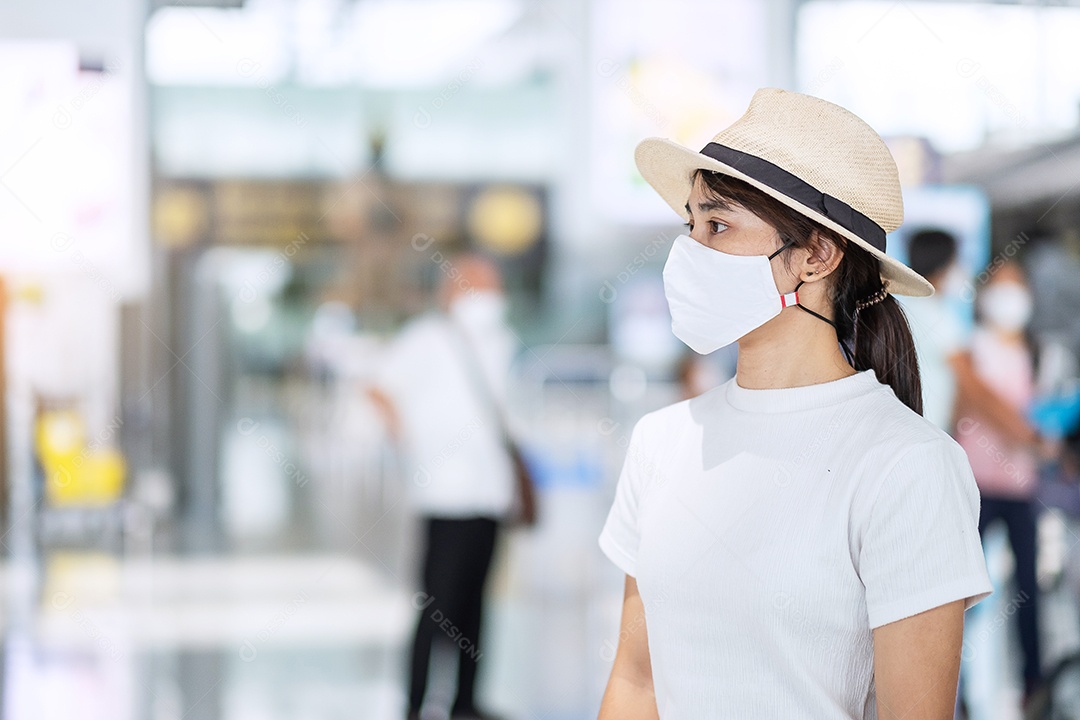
705,199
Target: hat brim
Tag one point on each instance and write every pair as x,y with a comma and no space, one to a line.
668,167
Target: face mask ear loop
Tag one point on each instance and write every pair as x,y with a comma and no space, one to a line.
786,245
803,307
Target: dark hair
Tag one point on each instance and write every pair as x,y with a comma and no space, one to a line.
931,251
883,339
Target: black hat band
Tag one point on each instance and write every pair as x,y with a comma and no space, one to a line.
801,191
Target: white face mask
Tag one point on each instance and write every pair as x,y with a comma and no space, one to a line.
716,298
479,309
1006,305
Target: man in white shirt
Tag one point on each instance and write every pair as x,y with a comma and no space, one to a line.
441,389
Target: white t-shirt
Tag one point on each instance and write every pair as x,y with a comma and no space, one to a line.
938,335
458,464
770,530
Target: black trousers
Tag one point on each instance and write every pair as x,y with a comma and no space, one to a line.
1019,517
457,557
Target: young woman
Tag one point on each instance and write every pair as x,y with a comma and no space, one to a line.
798,542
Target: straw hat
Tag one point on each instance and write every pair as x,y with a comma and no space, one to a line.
815,157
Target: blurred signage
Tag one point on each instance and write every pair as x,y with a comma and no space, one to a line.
267,213
68,188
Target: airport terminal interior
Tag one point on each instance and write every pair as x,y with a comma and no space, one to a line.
221,219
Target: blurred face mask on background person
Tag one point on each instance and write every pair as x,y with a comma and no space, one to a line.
479,309
716,298
1006,305
954,280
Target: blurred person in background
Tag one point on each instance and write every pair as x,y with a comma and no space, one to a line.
799,541
1070,457
1002,445
940,338
442,392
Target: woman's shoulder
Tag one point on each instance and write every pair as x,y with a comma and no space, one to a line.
895,429
664,422
877,418
660,426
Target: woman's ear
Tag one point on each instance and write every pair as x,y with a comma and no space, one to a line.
823,257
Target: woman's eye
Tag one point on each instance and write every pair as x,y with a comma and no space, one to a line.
715,226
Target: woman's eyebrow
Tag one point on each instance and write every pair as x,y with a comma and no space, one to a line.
710,205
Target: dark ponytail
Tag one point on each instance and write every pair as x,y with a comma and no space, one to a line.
871,326
881,339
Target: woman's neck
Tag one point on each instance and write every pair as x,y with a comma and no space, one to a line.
792,353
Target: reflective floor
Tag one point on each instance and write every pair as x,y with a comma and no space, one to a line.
305,609
265,637
297,636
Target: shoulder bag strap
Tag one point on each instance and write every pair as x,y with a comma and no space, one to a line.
475,370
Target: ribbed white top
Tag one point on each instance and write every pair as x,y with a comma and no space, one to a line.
806,397
770,530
